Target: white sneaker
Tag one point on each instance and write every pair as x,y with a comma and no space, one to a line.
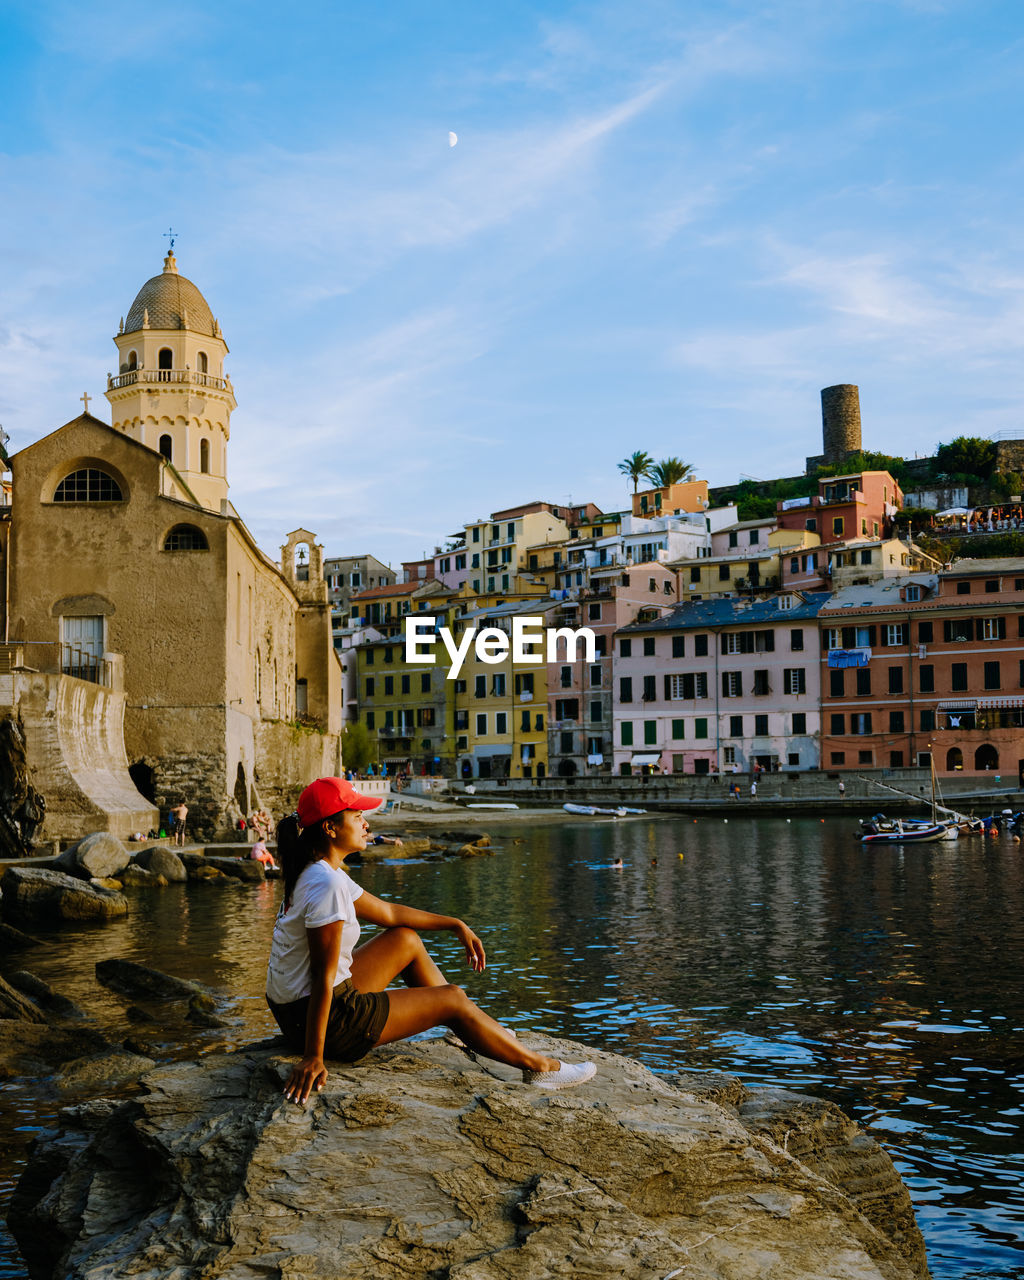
568,1074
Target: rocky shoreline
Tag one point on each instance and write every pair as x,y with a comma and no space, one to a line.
423,1162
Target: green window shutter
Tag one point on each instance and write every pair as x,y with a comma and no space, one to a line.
700,728
677,729
627,733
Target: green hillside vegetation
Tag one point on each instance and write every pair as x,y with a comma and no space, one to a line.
966,460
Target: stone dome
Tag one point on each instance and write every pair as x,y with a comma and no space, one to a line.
172,302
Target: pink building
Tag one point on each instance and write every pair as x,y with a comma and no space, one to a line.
580,694
718,684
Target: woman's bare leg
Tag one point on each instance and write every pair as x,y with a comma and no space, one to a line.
394,952
421,1008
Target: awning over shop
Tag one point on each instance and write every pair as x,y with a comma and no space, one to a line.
649,757
962,704
1000,704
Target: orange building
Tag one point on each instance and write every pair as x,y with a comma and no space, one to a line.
927,666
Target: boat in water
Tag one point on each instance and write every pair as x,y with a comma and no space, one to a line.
592,811
883,830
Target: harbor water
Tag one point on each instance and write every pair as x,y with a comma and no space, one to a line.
887,980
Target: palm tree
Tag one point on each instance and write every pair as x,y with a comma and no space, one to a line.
636,466
669,471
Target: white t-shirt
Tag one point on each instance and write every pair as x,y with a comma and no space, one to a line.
322,895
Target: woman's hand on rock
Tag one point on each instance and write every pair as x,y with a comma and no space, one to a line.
475,954
310,1074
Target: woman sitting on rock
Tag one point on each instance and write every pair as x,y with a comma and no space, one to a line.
328,996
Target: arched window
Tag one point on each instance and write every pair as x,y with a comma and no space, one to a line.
165,363
166,447
133,360
954,759
186,537
204,364
204,456
986,757
88,485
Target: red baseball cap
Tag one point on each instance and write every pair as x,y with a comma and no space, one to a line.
328,796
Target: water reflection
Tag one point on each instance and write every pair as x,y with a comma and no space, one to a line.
783,952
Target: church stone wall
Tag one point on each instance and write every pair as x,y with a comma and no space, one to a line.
289,757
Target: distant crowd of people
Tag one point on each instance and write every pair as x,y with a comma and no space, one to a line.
1000,519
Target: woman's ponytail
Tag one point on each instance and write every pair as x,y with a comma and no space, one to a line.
296,848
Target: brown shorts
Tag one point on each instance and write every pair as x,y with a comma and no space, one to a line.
354,1023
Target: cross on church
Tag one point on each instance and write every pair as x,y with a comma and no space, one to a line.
169,234
85,398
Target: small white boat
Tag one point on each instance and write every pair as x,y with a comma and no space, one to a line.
481,805
592,811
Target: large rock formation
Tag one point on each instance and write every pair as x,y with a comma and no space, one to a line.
422,1163
41,896
98,856
22,808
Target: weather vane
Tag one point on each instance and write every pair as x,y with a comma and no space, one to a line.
169,234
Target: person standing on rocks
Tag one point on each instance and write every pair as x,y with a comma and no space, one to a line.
328,996
179,813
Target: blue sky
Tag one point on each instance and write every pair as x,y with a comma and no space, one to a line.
665,226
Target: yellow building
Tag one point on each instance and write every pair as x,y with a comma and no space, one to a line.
497,548
501,708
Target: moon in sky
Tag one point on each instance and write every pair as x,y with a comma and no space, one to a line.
452,139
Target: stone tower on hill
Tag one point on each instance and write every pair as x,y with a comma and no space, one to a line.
171,393
840,425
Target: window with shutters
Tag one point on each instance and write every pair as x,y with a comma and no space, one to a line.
732,684
626,733
837,725
799,722
736,726
992,675
794,680
926,677
625,689
760,726
650,732
796,640
678,646
863,680
895,679
860,722
837,683
687,686
650,689
894,634
958,677
700,646
761,685
991,628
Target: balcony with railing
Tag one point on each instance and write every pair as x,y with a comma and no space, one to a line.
187,377
52,658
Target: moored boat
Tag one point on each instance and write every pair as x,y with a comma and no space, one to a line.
896,831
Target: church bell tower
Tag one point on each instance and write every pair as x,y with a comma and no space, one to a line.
170,392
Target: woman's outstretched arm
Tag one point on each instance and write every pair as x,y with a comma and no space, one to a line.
392,914
310,1073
